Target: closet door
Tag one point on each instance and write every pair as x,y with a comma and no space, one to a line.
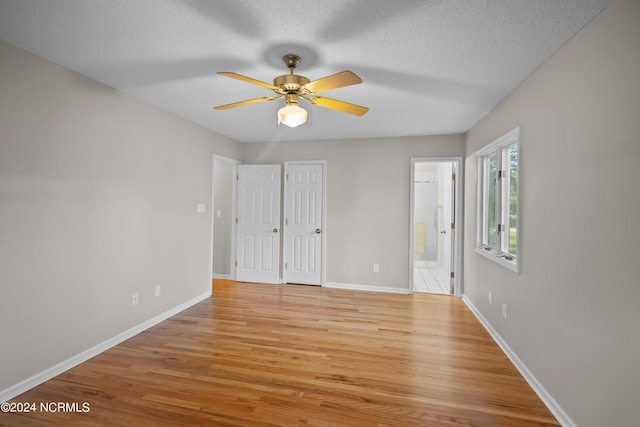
258,224
304,187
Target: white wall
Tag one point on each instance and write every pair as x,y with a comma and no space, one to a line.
573,310
98,195
368,184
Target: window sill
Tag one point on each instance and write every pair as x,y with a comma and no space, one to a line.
508,264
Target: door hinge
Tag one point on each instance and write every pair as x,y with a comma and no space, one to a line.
237,177
453,225
236,263
286,265
453,176
286,221
236,220
286,177
453,274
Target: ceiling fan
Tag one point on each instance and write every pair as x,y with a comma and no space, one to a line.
293,87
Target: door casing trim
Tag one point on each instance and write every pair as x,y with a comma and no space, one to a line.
457,240
234,171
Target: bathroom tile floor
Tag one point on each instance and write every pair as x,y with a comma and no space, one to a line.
430,280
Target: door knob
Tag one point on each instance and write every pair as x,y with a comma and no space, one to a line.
318,231
275,230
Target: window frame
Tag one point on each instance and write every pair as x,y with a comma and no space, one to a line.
500,149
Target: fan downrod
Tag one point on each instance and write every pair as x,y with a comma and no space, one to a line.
290,83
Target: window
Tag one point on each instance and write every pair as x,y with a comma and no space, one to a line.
497,197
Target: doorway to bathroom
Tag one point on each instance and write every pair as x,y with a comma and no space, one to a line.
434,260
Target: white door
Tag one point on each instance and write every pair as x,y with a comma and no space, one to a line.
447,228
304,187
258,224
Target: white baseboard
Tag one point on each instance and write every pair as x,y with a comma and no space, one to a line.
542,393
221,276
47,374
369,288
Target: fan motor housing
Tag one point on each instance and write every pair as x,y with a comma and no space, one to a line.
290,82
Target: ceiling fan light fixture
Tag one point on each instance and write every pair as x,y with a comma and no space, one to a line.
292,87
292,115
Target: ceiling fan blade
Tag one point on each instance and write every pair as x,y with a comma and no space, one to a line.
334,81
247,102
334,104
247,79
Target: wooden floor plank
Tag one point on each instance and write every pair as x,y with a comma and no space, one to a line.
287,355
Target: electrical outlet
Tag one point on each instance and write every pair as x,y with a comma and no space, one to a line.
490,298
158,290
504,311
376,268
135,299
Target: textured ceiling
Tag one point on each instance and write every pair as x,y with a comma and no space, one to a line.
428,66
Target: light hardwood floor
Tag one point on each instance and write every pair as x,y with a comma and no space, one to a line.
290,355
